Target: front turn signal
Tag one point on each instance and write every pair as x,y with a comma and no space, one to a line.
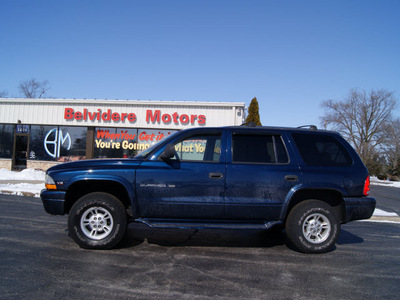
49,183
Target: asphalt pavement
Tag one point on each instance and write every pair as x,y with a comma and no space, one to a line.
39,261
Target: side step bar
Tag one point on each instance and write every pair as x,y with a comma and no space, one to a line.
195,224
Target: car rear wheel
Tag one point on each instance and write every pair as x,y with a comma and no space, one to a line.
97,221
312,227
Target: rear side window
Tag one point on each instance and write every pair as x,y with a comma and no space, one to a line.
321,150
259,149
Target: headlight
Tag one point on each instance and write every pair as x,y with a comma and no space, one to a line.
49,183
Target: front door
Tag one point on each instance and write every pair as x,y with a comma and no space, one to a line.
188,186
20,151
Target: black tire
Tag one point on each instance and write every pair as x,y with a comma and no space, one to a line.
312,227
97,221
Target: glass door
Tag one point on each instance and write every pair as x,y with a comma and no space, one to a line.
20,151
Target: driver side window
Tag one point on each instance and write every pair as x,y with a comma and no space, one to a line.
205,148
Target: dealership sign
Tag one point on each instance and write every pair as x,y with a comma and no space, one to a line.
151,116
55,139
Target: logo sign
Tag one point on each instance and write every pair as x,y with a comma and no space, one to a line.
59,140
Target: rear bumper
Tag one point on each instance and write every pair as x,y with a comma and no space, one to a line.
359,208
53,201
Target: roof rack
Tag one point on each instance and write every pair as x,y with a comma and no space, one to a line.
311,127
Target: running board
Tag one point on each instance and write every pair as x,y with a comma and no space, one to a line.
196,224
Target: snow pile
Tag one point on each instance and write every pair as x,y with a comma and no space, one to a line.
24,175
22,189
381,213
21,183
376,181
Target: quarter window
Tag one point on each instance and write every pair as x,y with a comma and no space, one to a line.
321,150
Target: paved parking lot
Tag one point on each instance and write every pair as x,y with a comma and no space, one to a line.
38,260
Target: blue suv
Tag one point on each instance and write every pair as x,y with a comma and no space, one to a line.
306,181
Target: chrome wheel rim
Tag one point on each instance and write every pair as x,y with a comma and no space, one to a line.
97,223
316,228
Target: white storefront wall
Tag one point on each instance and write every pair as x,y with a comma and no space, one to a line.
146,117
120,113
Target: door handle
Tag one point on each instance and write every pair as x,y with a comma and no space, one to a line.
216,175
291,178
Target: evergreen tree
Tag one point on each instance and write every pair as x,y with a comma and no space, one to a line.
254,115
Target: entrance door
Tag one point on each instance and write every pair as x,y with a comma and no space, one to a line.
20,152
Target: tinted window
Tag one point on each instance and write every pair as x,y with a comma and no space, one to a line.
321,150
258,149
57,143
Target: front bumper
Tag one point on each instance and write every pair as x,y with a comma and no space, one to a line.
359,208
53,201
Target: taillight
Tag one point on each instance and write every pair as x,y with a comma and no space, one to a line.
366,186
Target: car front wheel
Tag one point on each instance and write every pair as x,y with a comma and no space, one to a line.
312,227
97,221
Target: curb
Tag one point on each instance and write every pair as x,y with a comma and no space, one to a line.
21,181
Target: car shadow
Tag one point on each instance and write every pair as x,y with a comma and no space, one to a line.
138,233
347,237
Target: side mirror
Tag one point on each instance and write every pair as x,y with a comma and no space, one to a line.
169,152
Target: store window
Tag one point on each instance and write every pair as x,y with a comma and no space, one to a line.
125,142
149,137
6,140
115,142
57,143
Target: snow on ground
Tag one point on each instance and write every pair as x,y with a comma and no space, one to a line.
27,174
376,181
26,183
381,213
22,189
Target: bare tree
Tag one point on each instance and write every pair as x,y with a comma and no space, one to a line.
33,88
3,94
392,148
363,119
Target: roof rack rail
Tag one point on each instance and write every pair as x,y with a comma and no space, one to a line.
311,127
249,124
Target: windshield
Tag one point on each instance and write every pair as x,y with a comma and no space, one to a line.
145,154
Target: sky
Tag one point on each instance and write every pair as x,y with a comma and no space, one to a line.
291,55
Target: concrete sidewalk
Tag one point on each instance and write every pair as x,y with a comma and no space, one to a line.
21,181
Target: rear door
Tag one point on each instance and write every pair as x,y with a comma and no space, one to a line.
260,174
